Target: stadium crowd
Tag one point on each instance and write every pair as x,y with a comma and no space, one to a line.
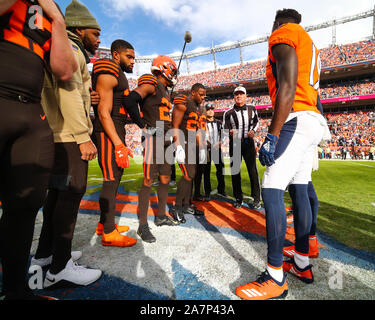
337,90
353,136
333,56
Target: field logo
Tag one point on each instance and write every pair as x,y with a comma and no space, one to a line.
36,278
335,279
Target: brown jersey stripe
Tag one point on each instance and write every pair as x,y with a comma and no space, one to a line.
107,62
148,79
106,67
179,101
147,82
114,67
106,70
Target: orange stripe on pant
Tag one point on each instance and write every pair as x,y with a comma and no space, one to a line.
103,155
109,157
147,157
184,170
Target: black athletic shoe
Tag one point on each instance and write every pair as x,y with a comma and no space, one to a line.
165,221
193,211
256,205
238,204
222,194
145,233
178,214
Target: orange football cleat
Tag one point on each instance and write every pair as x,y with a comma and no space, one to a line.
120,229
115,239
264,288
313,249
306,275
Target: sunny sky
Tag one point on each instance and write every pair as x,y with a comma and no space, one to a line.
158,27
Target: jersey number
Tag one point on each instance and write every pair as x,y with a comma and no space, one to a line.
192,123
164,110
203,122
315,68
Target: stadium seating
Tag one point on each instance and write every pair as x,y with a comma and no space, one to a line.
331,57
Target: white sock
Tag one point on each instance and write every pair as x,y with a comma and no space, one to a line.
301,261
277,274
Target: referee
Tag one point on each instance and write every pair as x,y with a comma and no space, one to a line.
214,134
242,122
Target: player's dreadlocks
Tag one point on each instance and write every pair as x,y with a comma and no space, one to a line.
288,14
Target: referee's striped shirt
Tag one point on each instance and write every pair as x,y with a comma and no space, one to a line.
243,119
214,131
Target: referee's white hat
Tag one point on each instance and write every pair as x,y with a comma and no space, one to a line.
240,89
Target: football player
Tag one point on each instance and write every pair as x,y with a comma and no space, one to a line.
26,140
110,82
187,122
293,71
153,97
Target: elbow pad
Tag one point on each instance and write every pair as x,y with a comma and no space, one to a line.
130,103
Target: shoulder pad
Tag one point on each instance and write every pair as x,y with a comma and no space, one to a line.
148,79
106,66
180,99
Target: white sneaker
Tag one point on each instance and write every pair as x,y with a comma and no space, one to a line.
73,274
43,262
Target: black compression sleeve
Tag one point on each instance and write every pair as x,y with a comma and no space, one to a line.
131,105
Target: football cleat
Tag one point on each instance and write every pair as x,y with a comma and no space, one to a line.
145,234
313,249
238,204
305,275
193,211
264,288
178,214
120,229
165,221
256,205
115,239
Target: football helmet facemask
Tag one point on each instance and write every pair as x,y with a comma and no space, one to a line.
167,67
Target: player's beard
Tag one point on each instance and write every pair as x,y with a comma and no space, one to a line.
126,68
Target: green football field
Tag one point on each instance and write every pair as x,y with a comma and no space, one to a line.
346,191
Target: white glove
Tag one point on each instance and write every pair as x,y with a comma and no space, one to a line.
180,154
202,156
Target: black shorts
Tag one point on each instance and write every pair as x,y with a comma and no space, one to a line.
106,154
154,162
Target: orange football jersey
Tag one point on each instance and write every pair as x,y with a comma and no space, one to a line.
309,66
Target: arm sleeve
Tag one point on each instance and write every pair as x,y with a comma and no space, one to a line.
72,105
131,103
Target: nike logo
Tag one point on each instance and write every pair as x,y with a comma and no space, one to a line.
43,117
51,280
